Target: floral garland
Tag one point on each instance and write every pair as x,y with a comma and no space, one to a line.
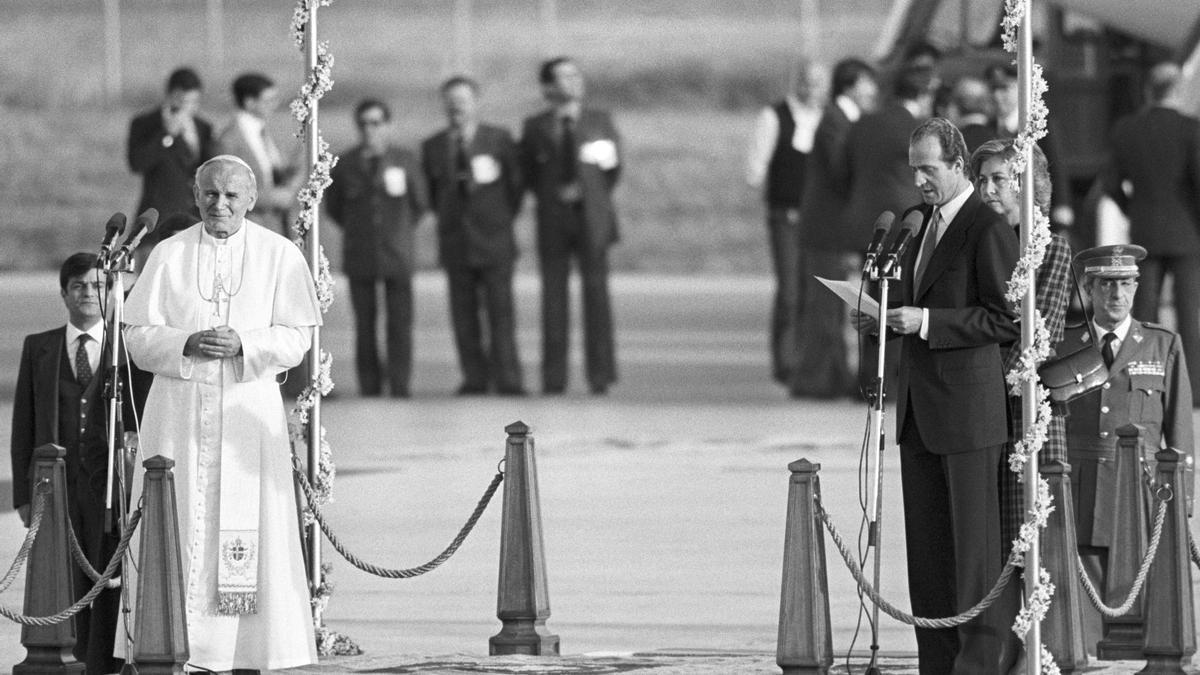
304,108
319,82
1025,371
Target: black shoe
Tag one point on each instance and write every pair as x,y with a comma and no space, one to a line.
401,393
516,391
599,389
471,390
554,390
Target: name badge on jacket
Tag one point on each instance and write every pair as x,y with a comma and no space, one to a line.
484,169
395,182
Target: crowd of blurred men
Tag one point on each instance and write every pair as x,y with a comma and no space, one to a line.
470,177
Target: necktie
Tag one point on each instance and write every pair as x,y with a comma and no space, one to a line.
927,245
462,166
83,367
569,150
1106,350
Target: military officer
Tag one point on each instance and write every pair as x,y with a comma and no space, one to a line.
1147,385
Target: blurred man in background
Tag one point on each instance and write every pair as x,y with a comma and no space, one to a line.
475,185
779,148
1156,151
377,198
823,370
571,157
971,111
165,146
247,136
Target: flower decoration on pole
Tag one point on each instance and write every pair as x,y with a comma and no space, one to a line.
319,82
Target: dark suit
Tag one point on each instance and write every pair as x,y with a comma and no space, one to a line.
47,405
582,231
952,426
377,202
826,252
476,197
167,172
976,134
1158,151
876,166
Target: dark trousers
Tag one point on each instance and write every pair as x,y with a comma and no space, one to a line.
823,371
783,232
95,625
1186,272
598,346
398,303
489,289
952,537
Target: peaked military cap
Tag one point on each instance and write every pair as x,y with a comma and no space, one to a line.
1111,262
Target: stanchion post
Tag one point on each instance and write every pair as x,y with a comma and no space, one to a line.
49,586
160,645
523,601
1127,546
1063,626
1170,619
805,643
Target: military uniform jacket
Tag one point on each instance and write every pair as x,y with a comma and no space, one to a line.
1147,385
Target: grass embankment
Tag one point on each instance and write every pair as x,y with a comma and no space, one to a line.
683,78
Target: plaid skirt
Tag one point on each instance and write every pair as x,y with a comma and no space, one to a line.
1012,490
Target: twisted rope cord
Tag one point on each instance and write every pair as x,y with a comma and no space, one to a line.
81,557
900,615
1195,551
35,524
86,600
1136,590
383,571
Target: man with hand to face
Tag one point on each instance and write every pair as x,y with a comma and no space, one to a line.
220,310
950,410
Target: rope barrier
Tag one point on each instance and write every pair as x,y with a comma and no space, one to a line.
1195,551
35,524
81,557
1138,581
900,615
382,571
87,599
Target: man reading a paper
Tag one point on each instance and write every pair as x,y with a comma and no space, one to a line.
220,310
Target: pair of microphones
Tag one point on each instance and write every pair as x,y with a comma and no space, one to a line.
883,264
112,256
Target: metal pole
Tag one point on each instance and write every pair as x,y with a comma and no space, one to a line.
313,149
1033,565
112,51
215,32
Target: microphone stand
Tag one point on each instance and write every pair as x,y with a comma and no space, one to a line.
877,436
114,268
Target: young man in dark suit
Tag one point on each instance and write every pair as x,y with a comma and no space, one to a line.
475,188
951,414
1157,151
165,146
571,157
822,370
377,197
59,399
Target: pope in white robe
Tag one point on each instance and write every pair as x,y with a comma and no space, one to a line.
220,311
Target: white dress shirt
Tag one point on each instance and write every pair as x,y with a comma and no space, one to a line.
946,212
96,333
766,135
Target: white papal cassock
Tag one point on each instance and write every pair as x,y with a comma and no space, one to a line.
209,413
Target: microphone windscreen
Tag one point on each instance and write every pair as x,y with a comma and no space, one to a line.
148,220
913,221
884,221
115,224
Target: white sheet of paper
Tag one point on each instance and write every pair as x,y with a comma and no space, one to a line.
848,292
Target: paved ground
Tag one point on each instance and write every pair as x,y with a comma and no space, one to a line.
663,503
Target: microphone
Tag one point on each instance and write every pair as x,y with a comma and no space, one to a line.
112,229
141,227
908,231
883,224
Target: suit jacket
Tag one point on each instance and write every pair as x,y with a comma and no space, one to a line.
825,185
954,380
377,211
541,164
1158,150
167,173
876,160
35,408
475,229
976,135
